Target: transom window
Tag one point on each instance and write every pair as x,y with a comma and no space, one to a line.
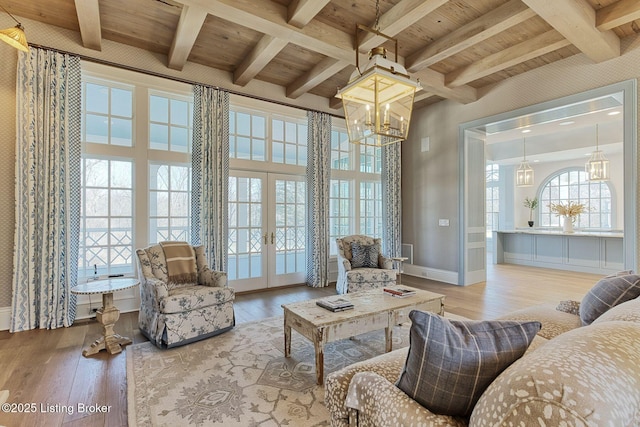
573,185
108,113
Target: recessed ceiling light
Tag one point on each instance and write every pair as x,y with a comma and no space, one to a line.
536,161
566,123
526,131
613,113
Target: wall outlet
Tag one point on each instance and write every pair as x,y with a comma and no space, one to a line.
443,222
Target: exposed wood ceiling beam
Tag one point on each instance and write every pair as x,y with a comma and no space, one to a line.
435,83
263,52
301,12
322,38
191,21
575,20
312,78
399,18
422,95
617,14
488,25
537,46
88,12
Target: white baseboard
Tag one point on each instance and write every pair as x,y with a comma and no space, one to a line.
431,273
84,309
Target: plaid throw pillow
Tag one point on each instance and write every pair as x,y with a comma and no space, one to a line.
608,292
450,363
364,255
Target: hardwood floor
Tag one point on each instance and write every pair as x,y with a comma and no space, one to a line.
45,367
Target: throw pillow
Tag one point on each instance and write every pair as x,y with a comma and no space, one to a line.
608,292
364,255
569,306
451,362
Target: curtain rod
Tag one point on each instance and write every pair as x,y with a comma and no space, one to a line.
176,79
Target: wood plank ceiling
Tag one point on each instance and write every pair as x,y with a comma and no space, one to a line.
454,47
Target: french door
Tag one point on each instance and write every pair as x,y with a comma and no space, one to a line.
267,218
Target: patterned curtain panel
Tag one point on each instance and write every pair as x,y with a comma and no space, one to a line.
48,151
392,199
318,180
210,174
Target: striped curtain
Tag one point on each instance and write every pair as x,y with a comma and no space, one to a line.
392,199
210,174
48,159
318,180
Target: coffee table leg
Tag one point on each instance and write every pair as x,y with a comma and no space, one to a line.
287,339
318,343
388,338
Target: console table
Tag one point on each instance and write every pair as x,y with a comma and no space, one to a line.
107,315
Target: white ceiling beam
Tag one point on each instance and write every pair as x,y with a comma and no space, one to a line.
312,78
399,18
576,21
189,26
88,12
301,12
263,52
532,48
617,14
488,25
269,17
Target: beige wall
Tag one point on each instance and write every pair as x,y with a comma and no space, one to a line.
8,61
430,179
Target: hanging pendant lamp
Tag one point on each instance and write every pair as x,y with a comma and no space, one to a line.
597,168
524,173
378,101
14,36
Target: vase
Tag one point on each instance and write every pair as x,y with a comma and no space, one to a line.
567,224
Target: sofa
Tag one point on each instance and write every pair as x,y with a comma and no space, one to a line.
574,373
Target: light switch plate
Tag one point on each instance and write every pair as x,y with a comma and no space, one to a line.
443,222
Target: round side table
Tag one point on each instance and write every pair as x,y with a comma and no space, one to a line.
108,315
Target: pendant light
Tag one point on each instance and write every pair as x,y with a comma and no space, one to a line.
597,168
14,36
378,101
524,174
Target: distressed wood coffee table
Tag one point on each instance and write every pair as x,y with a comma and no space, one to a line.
373,310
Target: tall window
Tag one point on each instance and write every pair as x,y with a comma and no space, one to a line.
573,185
355,190
247,135
289,142
493,197
136,178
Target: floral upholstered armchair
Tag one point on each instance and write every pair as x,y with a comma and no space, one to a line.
173,314
361,265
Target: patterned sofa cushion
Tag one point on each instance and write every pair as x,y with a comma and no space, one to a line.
364,256
554,322
587,377
450,363
608,292
627,311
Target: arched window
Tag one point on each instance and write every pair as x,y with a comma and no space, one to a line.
573,185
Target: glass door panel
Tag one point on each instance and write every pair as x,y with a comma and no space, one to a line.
289,221
247,261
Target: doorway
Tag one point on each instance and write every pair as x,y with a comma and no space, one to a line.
267,220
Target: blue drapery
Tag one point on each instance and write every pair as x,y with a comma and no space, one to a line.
210,174
48,188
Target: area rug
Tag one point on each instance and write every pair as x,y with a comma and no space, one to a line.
240,378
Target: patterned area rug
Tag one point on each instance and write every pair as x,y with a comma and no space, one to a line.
240,378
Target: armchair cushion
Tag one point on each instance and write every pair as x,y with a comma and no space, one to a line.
194,297
451,362
364,256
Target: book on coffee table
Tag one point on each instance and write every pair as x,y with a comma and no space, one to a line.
335,304
399,292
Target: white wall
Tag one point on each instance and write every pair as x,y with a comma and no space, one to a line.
430,179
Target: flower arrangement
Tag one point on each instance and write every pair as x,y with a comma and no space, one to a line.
569,210
531,204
